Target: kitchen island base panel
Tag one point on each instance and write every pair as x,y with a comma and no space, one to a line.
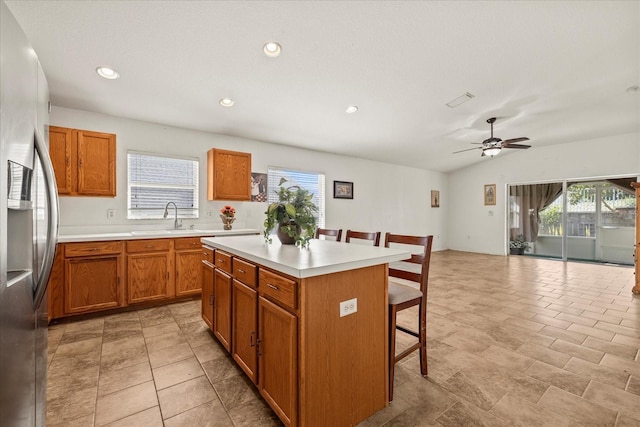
343,360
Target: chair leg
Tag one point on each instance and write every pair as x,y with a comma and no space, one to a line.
423,339
392,348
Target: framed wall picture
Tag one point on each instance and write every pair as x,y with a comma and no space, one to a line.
489,194
342,190
258,187
435,199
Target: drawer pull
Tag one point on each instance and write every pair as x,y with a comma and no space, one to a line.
221,261
274,287
148,246
94,249
241,271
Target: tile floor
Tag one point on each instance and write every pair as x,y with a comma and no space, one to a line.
513,341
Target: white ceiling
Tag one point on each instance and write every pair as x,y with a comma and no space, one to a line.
555,71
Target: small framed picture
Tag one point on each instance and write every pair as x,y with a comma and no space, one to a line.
435,199
342,190
489,194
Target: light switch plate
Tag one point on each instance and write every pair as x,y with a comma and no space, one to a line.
348,307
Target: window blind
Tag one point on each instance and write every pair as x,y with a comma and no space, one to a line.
310,181
154,180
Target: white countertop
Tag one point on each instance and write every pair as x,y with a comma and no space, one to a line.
152,234
322,256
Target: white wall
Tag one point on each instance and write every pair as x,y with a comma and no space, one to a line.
386,197
474,227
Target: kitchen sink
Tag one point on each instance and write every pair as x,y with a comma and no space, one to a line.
184,231
150,232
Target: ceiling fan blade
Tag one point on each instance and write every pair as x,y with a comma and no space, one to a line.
468,149
510,141
521,146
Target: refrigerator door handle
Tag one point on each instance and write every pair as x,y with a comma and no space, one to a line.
53,218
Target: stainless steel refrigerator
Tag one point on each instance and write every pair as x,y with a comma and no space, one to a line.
28,228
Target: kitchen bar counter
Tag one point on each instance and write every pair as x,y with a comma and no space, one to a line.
308,326
322,256
151,234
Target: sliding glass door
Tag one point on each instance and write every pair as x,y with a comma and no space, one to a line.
588,220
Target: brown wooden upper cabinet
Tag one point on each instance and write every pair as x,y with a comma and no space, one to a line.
228,175
84,162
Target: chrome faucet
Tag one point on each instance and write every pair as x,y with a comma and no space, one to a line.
175,218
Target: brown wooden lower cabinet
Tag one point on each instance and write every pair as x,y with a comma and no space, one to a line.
277,358
245,329
92,283
222,307
92,277
188,270
95,276
207,293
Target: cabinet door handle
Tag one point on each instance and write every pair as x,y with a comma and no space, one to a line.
251,339
167,276
211,299
241,271
258,351
118,280
274,287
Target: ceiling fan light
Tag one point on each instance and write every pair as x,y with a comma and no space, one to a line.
491,151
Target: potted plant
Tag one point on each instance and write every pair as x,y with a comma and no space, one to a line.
517,245
292,216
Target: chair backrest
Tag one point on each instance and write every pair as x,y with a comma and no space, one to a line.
373,236
423,258
329,232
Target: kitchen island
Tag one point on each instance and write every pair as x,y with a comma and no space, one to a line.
308,326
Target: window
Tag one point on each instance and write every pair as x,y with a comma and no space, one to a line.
155,180
311,181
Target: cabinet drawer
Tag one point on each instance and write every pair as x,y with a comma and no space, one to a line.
187,243
150,245
207,254
278,288
223,261
244,272
92,248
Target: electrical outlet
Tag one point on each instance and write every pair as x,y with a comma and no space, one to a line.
348,307
111,213
209,213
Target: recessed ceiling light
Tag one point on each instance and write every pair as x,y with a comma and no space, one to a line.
107,73
226,102
352,109
272,49
633,89
460,100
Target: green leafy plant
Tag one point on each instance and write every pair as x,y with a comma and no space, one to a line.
292,214
518,242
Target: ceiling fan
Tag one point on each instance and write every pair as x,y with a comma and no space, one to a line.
492,146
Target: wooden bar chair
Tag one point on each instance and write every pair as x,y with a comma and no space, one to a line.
329,232
403,296
373,236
